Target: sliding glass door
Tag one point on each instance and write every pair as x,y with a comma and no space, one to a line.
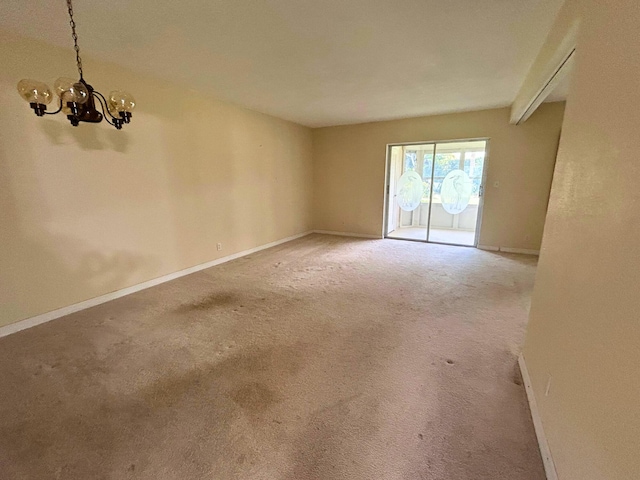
434,191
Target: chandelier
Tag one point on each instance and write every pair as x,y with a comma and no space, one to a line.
78,99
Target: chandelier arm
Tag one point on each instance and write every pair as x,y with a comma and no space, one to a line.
57,111
105,111
104,105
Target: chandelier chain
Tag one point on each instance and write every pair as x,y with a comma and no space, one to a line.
74,35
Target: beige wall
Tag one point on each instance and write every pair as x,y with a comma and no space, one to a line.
349,171
89,210
584,332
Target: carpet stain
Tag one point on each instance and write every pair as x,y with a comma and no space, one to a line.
517,375
254,397
213,300
238,374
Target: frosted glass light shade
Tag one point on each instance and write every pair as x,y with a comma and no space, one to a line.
112,111
120,101
70,90
35,92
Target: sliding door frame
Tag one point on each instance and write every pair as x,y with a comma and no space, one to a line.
387,186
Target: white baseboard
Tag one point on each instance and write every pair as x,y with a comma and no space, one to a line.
525,251
76,307
347,234
545,451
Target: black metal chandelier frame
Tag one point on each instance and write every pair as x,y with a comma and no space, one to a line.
79,98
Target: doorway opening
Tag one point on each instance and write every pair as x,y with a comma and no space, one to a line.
435,190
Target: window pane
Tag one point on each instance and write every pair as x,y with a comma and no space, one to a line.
410,160
474,163
426,169
445,162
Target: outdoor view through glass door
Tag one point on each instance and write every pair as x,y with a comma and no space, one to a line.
435,191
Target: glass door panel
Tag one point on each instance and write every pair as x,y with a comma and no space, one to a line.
409,191
458,168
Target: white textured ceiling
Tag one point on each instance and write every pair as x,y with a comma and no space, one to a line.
320,62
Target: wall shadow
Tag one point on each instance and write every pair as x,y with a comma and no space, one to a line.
42,270
85,136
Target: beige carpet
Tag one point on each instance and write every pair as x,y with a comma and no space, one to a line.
324,358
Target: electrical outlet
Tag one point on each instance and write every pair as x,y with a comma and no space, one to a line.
219,246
